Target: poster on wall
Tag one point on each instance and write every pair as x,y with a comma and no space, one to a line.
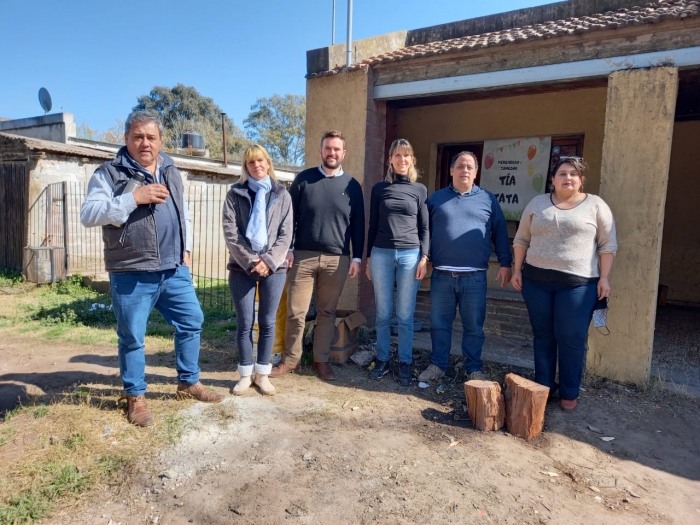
515,171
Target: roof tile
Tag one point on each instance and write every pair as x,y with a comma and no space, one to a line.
651,13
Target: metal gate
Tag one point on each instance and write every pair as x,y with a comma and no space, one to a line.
14,197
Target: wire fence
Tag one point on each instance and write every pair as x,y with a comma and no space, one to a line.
54,220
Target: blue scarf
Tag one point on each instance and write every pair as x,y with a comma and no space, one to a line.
256,232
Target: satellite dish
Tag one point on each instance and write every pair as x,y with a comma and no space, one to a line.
45,100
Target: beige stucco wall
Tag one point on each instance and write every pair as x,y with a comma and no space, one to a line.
636,156
561,113
680,252
339,102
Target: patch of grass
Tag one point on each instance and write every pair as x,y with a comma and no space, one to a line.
222,413
40,411
113,463
6,435
58,480
10,277
174,426
74,440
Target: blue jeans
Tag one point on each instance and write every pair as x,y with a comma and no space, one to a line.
270,289
388,266
134,295
560,314
447,292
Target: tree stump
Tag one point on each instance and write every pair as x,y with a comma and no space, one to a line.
485,404
525,404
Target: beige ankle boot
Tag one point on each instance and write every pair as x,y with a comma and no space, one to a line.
246,373
261,379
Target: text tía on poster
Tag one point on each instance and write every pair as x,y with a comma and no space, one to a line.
515,171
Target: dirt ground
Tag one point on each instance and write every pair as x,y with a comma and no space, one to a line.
359,451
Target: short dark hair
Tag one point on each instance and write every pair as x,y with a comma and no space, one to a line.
142,117
472,155
333,134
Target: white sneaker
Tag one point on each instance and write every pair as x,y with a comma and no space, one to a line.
432,373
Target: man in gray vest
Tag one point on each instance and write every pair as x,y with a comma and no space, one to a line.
145,228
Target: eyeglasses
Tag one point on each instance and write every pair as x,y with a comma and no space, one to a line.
566,157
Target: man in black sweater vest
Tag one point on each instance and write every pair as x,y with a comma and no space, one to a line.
329,217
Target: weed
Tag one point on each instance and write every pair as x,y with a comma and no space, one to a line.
174,426
74,440
222,413
59,479
10,277
111,464
41,411
6,435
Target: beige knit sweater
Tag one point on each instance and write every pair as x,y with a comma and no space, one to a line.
569,241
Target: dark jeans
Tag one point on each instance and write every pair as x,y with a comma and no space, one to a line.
134,295
468,291
560,314
270,289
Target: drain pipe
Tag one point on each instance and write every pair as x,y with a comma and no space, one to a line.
348,49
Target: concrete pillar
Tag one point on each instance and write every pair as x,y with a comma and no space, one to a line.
639,122
345,101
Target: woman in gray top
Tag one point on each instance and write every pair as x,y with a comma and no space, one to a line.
258,231
564,251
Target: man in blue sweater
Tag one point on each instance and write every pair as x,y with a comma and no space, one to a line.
464,221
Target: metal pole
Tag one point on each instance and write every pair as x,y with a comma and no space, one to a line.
333,26
348,49
223,131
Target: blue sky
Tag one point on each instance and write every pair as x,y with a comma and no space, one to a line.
97,56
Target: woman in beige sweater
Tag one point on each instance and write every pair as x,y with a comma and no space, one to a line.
564,251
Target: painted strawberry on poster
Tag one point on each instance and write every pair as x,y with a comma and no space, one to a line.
488,161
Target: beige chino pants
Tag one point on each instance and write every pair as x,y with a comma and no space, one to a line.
329,272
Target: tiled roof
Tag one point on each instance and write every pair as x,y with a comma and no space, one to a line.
651,13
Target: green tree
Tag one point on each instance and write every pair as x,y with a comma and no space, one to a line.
182,108
278,123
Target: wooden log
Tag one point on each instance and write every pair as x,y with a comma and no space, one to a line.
525,404
485,404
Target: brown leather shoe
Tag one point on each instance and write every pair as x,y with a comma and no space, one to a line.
283,368
568,405
136,410
199,392
324,371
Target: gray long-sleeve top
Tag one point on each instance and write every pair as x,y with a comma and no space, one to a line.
568,241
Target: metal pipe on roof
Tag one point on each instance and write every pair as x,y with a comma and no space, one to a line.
223,131
348,49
